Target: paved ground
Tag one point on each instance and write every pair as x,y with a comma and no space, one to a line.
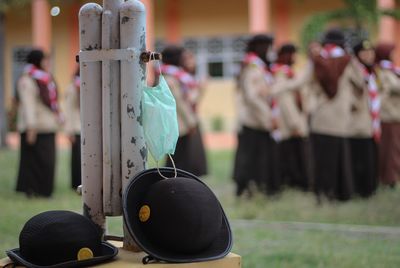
213,141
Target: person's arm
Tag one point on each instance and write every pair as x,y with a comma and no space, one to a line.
69,105
28,92
289,112
295,83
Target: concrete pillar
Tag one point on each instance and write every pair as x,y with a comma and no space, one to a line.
149,5
282,31
259,16
387,25
73,37
41,25
173,22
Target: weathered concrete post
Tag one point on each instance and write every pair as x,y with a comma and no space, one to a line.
112,76
91,117
133,148
111,111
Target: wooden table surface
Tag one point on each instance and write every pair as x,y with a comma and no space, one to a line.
134,260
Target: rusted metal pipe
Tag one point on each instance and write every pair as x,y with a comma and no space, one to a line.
133,147
111,111
91,115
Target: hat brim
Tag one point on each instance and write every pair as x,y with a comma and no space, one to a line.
108,252
132,198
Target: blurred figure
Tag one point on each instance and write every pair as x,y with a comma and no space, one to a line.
38,121
364,124
329,120
178,68
257,154
389,149
293,123
73,127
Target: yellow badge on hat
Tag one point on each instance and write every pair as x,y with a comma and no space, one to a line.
144,213
85,254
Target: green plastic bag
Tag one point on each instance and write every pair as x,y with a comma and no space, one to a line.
160,122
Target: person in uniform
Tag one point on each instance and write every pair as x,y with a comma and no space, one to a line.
329,119
73,127
293,122
178,68
38,121
256,156
364,123
389,148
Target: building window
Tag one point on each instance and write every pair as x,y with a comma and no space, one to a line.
217,57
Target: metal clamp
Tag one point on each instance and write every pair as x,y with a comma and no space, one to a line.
128,54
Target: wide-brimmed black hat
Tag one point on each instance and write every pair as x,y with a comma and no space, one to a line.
175,219
58,239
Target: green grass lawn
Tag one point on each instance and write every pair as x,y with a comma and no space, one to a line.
290,230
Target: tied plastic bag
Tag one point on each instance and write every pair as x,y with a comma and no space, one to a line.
160,122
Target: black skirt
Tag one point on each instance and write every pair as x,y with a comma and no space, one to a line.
332,164
37,166
256,159
190,154
364,161
295,158
76,162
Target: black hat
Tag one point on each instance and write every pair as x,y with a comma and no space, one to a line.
57,239
177,219
362,45
334,36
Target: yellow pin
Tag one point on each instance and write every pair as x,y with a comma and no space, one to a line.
85,254
144,213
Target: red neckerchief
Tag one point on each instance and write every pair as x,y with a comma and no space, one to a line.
374,102
252,58
332,51
388,65
47,86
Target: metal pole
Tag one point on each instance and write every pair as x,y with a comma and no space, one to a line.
110,110
133,148
91,115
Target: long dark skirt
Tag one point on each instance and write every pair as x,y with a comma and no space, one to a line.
190,154
256,159
76,162
389,154
295,158
364,161
333,172
37,166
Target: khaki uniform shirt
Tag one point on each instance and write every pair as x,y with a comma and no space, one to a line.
360,123
187,118
253,108
332,116
32,113
390,96
292,119
72,112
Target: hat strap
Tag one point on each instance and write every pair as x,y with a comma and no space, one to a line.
173,164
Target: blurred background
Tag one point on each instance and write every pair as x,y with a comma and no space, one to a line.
290,230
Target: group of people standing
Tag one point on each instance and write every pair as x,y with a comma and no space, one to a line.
39,118
332,128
